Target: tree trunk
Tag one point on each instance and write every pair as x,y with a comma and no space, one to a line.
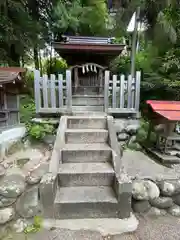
14,56
36,58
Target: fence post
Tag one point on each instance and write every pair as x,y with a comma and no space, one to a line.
137,90
122,95
114,85
68,90
37,91
106,91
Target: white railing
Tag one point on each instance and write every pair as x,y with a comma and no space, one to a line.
52,94
121,94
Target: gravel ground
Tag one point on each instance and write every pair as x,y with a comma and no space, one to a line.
138,164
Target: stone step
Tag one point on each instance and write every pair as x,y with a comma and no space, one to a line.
87,100
86,174
86,135
81,109
97,152
88,122
85,202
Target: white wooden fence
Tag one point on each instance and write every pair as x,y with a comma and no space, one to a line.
52,94
122,95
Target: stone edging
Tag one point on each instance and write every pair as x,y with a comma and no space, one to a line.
159,197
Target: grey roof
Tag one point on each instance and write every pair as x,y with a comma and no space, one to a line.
85,40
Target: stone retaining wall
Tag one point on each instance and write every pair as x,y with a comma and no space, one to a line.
159,197
126,130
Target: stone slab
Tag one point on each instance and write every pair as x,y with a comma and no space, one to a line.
86,174
86,135
86,153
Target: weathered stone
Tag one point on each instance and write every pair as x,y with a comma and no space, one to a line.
27,205
2,170
174,210
162,202
176,199
132,129
169,188
144,190
132,140
20,225
123,136
141,206
120,125
22,161
156,212
12,185
49,139
6,215
5,202
36,175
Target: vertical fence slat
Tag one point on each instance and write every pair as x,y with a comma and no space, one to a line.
53,92
106,91
129,89
122,91
114,91
45,90
68,90
60,90
137,90
37,91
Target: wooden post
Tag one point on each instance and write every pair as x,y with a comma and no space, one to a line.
60,90
137,90
68,90
129,91
106,91
100,81
37,92
45,91
122,96
114,91
53,92
76,79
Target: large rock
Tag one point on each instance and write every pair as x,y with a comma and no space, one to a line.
5,202
174,210
169,187
145,190
176,199
6,215
141,206
132,129
12,185
49,139
35,176
123,136
120,125
27,205
162,202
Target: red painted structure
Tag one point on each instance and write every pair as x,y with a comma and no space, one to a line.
170,110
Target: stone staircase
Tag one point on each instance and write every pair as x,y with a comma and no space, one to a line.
87,185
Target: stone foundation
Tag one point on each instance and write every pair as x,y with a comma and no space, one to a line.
156,197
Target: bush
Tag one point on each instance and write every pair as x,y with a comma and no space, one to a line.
27,109
54,66
39,131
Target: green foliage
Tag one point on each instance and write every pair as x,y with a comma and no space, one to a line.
80,17
39,131
27,109
54,66
35,227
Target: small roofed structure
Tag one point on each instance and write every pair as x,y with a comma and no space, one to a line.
11,86
88,57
